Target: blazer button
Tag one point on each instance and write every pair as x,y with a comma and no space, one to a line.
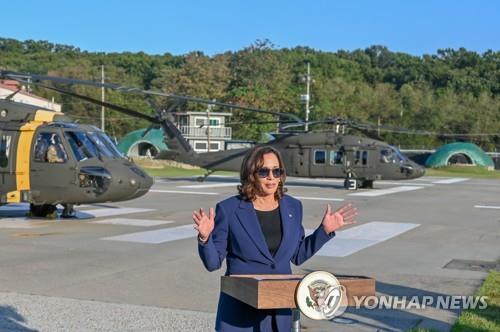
273,266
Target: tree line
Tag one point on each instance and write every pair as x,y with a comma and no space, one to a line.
452,91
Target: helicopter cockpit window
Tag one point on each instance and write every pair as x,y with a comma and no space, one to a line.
399,155
386,156
101,146
319,157
4,150
109,143
49,149
336,157
81,145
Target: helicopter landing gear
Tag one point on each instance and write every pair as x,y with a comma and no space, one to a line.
68,211
204,177
43,211
366,184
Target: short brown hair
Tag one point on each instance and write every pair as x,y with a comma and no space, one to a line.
252,162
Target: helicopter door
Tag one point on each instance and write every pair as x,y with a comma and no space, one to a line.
52,172
300,162
7,161
318,163
335,166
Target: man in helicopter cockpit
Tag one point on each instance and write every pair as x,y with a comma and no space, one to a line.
52,156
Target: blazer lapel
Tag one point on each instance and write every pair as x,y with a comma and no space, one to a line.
248,219
287,226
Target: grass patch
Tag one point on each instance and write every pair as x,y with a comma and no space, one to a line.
465,171
174,172
488,319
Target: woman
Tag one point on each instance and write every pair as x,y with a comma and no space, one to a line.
260,232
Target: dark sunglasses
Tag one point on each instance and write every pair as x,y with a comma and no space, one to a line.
264,172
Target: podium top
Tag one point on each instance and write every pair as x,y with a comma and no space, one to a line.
277,291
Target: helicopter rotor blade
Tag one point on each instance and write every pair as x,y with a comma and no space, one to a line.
148,129
118,108
32,78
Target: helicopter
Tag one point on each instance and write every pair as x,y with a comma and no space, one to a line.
358,160
46,160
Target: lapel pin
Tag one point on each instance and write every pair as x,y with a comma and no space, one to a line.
290,215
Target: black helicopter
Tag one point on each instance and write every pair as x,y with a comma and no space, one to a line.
46,159
357,159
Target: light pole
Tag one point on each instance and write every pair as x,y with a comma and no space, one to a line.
307,78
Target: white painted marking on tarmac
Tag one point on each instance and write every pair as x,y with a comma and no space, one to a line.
320,198
452,180
380,192
357,238
211,185
181,192
157,236
405,183
23,223
487,207
133,222
15,206
97,213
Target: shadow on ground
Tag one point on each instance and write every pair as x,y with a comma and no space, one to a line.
11,320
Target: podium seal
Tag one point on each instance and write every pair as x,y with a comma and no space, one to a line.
319,296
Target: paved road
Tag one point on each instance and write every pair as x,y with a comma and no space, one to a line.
133,266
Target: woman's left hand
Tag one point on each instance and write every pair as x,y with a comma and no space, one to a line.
332,221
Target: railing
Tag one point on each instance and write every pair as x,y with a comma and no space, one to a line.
215,132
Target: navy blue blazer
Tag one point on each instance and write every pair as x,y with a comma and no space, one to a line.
237,237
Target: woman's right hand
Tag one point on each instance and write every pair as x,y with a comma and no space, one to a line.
204,223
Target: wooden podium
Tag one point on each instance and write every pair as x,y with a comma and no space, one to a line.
277,291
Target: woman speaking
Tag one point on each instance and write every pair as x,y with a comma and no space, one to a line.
260,231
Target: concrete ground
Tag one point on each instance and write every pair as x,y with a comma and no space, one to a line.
133,266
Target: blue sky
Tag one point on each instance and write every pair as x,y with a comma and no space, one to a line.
178,27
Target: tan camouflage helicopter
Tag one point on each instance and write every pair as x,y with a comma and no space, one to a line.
357,159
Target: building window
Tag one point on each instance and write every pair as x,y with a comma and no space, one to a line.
214,146
319,157
364,157
199,122
200,146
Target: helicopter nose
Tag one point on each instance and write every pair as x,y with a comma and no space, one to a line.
412,170
139,181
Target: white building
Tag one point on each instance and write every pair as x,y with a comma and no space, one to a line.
8,87
199,129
